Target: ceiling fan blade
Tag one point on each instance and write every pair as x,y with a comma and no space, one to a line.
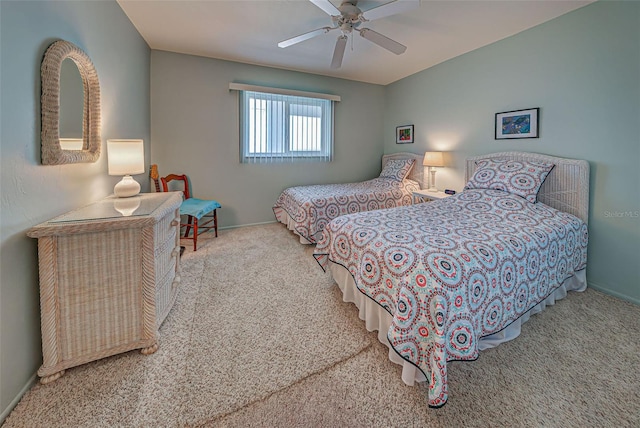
327,6
303,37
391,8
338,53
383,41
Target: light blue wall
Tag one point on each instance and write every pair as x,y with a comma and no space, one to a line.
583,71
33,193
194,127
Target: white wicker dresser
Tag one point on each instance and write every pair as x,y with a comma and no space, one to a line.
108,278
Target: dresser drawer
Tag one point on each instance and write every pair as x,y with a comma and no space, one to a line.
166,253
166,227
166,292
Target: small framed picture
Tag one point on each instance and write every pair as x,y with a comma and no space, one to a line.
517,124
404,134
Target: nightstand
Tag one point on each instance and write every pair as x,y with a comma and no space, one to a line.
425,196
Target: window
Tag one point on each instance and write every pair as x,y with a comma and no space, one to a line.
278,127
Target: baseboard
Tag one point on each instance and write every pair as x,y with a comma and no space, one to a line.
247,225
18,397
610,292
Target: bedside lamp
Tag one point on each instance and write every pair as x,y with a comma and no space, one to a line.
126,158
432,160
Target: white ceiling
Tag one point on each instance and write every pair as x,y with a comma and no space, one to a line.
249,31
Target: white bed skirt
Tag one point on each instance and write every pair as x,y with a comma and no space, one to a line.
283,217
376,318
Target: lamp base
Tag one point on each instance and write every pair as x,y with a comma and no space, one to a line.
127,187
127,206
432,188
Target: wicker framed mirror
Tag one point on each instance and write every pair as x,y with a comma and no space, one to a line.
52,151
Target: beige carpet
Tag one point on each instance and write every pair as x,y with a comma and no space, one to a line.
259,336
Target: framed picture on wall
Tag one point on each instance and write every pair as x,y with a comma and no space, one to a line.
517,124
404,134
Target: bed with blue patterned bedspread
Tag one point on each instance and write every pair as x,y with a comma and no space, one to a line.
306,210
452,271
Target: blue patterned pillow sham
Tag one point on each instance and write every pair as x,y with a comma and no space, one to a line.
397,168
522,178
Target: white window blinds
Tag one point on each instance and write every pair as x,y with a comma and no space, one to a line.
278,127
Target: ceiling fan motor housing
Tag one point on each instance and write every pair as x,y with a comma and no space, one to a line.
349,18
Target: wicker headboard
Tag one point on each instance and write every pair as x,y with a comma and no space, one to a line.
566,188
417,172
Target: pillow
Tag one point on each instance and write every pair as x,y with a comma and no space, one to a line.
397,168
522,178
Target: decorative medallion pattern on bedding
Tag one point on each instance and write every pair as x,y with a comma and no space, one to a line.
312,207
455,270
397,168
522,178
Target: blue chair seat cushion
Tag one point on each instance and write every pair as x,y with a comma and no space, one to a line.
198,207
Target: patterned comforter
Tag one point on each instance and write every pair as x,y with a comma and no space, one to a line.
312,207
454,270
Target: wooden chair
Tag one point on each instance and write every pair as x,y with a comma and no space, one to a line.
153,173
194,209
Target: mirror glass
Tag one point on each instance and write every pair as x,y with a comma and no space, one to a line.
71,105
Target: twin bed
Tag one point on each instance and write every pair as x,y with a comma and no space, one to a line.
441,281
306,210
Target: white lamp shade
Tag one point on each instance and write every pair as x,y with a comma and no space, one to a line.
125,157
433,159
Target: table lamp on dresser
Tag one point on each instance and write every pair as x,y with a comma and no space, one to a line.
126,158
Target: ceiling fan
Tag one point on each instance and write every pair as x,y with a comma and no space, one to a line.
348,18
